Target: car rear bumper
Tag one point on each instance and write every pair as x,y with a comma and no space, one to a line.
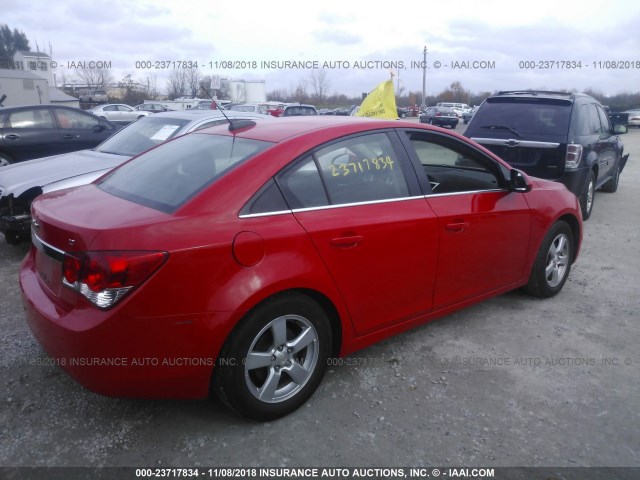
115,353
574,180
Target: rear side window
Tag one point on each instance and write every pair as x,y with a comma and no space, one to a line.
37,118
166,177
359,169
73,119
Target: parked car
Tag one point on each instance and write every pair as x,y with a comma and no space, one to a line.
566,137
152,107
119,112
249,107
344,110
94,96
458,108
439,116
402,112
275,111
20,184
468,115
241,262
298,110
40,130
634,117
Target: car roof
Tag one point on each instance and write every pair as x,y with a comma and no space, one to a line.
194,115
569,96
299,105
17,107
284,128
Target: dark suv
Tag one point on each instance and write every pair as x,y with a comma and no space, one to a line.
566,137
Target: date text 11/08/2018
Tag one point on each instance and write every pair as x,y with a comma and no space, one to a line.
250,473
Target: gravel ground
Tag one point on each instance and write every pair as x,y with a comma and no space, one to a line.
510,382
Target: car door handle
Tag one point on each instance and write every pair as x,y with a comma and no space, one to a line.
12,136
347,241
68,136
456,227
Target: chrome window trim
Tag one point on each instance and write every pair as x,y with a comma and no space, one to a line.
370,202
265,214
512,142
47,249
466,192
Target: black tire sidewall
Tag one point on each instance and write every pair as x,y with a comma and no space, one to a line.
229,379
538,285
583,198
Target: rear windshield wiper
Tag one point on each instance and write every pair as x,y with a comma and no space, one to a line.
502,127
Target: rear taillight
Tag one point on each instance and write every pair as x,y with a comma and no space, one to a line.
573,156
105,277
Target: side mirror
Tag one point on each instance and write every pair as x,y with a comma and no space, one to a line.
518,181
620,129
99,128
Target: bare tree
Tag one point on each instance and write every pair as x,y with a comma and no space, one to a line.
95,77
300,93
151,87
192,81
177,84
320,84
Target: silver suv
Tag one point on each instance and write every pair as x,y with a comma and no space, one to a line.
94,96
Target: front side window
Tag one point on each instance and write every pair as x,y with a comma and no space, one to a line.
167,177
452,168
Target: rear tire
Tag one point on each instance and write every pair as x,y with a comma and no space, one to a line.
588,196
275,358
553,262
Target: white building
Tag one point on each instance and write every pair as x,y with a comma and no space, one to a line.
32,82
23,88
247,91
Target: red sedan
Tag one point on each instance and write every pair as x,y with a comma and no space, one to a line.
240,259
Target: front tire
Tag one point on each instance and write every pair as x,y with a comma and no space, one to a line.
553,262
588,196
275,358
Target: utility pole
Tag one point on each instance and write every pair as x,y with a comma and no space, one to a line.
424,77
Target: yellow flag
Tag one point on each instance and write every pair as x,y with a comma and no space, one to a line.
380,103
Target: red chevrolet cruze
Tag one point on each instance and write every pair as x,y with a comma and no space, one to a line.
241,258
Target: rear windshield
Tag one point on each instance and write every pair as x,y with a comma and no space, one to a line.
521,117
142,135
166,177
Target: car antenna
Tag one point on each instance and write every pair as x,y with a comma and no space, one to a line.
236,124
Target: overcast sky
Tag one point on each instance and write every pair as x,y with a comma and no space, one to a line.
603,36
